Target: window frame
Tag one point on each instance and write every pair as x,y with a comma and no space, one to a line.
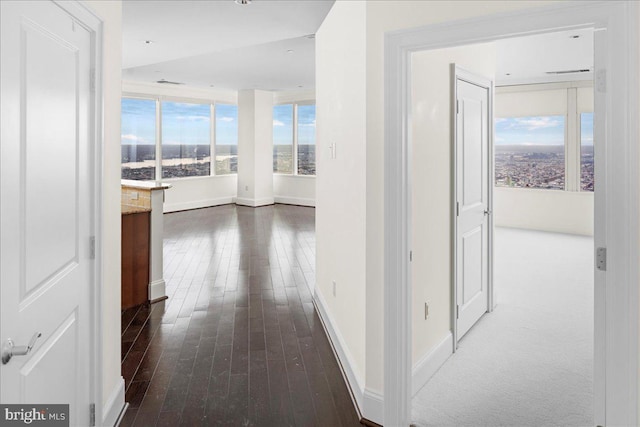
294,151
565,126
214,134
572,141
144,97
158,147
173,99
579,113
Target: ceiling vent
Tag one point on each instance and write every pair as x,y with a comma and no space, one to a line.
167,82
586,70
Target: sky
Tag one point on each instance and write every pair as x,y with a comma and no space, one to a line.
541,130
586,128
283,124
182,123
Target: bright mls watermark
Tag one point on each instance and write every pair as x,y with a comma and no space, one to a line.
34,415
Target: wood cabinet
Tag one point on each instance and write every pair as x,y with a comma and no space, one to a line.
135,258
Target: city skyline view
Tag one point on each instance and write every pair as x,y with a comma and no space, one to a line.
185,130
530,152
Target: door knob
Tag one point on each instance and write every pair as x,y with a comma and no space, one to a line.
487,212
9,349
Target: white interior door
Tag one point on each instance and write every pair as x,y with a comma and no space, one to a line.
45,206
473,201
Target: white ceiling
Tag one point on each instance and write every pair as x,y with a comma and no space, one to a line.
221,43
229,46
528,59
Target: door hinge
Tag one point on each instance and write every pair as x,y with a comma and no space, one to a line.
457,208
601,259
457,106
457,311
601,80
92,247
410,256
92,80
92,415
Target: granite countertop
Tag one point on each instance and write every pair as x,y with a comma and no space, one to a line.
130,209
145,185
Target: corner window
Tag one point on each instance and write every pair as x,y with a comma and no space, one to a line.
529,152
306,140
186,139
294,139
138,139
226,147
283,138
182,135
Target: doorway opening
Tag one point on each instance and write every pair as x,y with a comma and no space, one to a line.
615,221
531,361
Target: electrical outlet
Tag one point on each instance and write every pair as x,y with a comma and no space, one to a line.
426,309
334,288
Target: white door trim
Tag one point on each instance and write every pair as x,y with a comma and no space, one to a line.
94,25
616,98
458,73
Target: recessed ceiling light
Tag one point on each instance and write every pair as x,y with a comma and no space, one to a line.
299,85
289,50
507,74
149,42
311,36
575,36
243,1
212,85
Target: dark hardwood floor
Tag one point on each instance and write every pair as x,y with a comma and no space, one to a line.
238,342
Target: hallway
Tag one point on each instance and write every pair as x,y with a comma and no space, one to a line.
238,342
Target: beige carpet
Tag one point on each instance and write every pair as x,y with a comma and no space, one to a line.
530,362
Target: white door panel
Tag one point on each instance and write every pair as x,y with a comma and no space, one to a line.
472,265
472,186
472,202
46,206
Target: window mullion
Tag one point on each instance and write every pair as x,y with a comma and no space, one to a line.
295,139
572,147
212,139
158,140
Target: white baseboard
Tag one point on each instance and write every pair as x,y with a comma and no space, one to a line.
157,289
254,203
115,406
196,204
430,363
341,351
299,201
373,406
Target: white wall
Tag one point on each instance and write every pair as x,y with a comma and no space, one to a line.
432,190
191,192
200,192
538,209
255,148
340,197
294,189
111,13
350,189
545,210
